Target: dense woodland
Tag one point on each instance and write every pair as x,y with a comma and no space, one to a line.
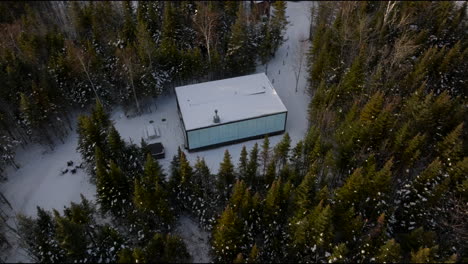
59,57
381,175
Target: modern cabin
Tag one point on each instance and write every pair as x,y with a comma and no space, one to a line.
229,111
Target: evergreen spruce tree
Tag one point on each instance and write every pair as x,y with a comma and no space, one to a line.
115,144
146,47
451,147
226,236
265,155
297,159
71,237
270,174
252,166
175,170
389,252
150,196
175,250
120,189
128,29
306,192
278,24
237,195
38,236
125,256
239,59
281,150
225,175
242,166
203,182
103,181
266,47
312,233
338,254
254,254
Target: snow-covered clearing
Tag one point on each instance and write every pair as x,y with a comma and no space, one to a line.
39,181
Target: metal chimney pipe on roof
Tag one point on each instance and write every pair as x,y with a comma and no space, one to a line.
216,117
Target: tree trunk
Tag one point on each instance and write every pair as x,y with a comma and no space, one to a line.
133,88
89,78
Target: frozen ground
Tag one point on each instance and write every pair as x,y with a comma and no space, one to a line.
195,239
39,182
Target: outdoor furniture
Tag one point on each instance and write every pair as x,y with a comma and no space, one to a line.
157,150
152,132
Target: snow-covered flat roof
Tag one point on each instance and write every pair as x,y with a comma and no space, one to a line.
235,99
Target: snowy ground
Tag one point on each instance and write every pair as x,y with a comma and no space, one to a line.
39,181
195,239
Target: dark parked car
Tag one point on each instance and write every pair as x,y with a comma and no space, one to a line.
157,150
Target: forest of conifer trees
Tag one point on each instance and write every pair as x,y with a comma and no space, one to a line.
380,176
53,65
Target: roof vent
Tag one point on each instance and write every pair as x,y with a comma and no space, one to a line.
216,117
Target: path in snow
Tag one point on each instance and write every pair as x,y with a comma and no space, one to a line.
39,182
195,239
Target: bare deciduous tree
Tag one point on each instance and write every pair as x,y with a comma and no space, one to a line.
404,46
298,58
83,59
205,21
129,60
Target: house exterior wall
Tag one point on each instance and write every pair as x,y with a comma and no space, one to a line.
236,131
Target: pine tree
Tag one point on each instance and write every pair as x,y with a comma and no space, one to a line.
146,47
371,110
252,166
109,241
150,195
451,147
278,24
103,181
281,150
423,255
175,250
389,252
242,166
120,189
185,170
115,144
225,175
71,237
353,80
306,192
39,237
125,256
338,254
226,236
237,195
128,29
412,151
203,180
168,47
254,255
298,160
265,154
314,228
265,48
239,59
153,172
270,174
175,178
